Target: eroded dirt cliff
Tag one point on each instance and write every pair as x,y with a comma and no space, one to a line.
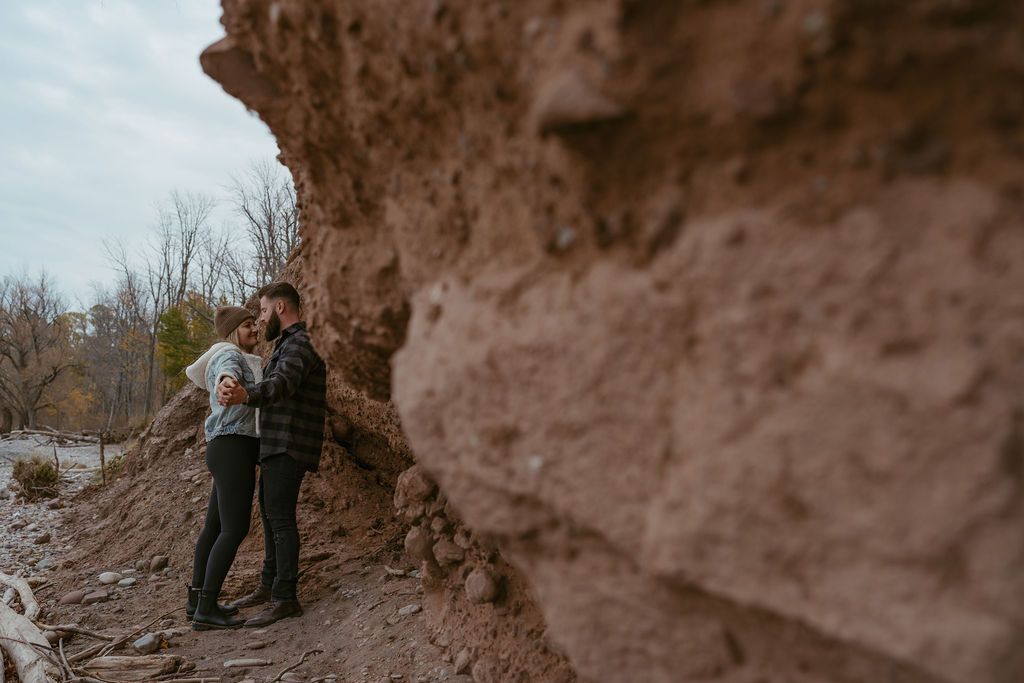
707,313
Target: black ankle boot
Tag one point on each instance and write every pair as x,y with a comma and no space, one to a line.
208,615
193,602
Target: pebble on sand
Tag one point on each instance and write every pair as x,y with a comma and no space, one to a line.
110,577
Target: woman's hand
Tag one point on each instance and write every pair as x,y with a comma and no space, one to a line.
230,392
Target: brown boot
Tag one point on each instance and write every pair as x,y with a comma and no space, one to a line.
276,612
257,597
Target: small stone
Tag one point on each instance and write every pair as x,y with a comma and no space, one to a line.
446,552
481,586
167,623
463,661
124,583
292,677
95,596
417,543
72,598
158,563
409,609
251,661
53,637
54,504
42,538
148,643
110,577
31,527
141,566
45,563
569,100
255,645
564,238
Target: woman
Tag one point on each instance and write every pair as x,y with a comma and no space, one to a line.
232,449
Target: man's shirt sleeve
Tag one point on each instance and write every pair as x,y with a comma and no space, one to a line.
293,364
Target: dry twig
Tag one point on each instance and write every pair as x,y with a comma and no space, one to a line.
296,665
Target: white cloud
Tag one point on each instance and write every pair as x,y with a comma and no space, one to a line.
103,111
47,93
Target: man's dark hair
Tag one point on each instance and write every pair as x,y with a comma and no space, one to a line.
280,290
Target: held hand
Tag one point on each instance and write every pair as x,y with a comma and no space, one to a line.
230,392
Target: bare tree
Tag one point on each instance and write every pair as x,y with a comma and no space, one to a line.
33,344
166,267
264,197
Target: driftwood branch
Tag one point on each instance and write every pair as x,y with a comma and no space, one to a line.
28,601
73,628
144,668
60,436
24,643
119,642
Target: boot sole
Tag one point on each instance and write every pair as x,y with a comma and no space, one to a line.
199,626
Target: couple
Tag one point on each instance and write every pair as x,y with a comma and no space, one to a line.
273,416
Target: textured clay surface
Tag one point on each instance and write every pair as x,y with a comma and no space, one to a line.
707,314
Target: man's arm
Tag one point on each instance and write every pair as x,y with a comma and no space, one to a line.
293,365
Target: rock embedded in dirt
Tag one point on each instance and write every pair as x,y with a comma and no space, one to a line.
409,609
463,661
42,538
481,586
158,563
109,577
95,596
148,643
129,581
418,543
447,553
72,598
568,99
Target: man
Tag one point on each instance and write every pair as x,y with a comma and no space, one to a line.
292,401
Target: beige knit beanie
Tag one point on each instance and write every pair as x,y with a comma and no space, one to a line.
227,318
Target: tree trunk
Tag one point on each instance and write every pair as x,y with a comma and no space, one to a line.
25,645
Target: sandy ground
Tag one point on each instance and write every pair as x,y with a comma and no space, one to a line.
363,618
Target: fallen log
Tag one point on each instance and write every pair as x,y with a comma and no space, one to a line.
65,436
28,601
26,647
143,668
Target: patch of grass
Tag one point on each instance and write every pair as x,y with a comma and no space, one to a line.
114,465
37,477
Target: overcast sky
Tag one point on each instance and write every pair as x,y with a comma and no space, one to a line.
104,111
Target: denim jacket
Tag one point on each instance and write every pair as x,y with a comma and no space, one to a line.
222,359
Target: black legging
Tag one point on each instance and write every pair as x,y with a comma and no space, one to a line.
232,461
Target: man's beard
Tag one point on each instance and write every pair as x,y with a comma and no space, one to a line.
273,328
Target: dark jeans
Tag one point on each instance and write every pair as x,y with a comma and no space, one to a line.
280,480
232,461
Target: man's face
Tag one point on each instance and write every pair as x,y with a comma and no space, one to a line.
269,319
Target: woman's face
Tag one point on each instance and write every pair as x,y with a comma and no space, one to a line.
247,334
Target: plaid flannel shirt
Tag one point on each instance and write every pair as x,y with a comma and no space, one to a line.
292,399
